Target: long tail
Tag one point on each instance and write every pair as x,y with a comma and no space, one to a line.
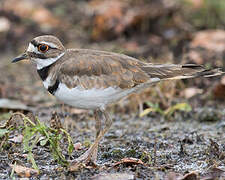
172,71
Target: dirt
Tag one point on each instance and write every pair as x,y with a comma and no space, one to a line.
183,144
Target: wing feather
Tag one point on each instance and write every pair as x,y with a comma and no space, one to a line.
97,69
100,69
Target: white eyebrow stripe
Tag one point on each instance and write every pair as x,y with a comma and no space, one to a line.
49,44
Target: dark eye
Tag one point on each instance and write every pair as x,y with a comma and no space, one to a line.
43,48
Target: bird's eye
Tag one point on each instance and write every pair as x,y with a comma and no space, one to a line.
43,48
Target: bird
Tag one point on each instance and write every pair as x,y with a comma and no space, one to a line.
93,79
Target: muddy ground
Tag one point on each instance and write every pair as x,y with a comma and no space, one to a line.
189,142
186,145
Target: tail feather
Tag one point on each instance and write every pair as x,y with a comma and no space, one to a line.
172,71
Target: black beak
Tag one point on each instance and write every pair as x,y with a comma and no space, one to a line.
20,57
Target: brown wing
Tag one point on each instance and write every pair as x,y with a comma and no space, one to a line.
99,69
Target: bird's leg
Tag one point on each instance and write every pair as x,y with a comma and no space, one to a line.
98,127
91,153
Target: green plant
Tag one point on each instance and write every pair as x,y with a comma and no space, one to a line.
34,132
168,112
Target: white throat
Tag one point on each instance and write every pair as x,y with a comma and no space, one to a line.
41,63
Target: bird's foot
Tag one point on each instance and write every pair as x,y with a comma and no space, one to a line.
88,158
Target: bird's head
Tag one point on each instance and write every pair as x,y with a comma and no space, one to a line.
43,50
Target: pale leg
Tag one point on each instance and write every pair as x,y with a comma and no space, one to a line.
91,153
98,127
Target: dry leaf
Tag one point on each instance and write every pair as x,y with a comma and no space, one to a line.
219,91
190,92
77,111
24,171
129,161
190,176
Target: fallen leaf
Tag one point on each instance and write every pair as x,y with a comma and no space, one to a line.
77,111
190,176
24,171
190,92
219,91
129,161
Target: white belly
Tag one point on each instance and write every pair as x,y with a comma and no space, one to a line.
93,98
89,99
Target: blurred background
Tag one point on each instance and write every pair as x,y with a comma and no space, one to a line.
160,31
157,31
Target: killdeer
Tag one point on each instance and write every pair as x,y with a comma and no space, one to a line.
91,79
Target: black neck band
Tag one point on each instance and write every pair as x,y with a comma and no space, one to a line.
43,73
54,87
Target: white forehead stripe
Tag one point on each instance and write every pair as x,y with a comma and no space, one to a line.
49,44
32,48
41,63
